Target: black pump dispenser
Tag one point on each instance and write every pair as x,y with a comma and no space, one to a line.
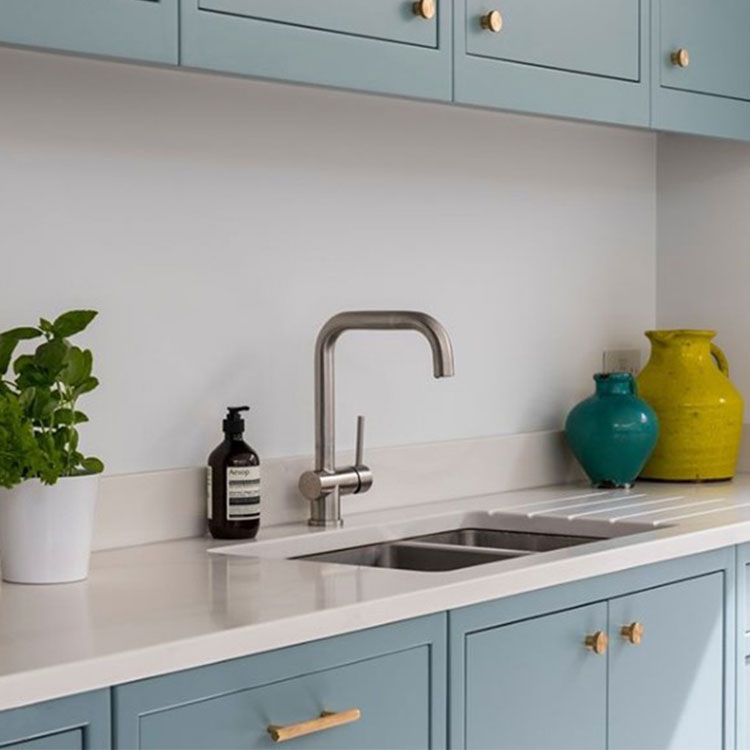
234,424
233,482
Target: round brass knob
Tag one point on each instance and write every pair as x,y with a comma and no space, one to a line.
597,642
424,9
680,58
492,21
632,633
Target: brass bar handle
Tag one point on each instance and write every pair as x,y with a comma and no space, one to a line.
597,642
632,632
424,9
680,58
326,720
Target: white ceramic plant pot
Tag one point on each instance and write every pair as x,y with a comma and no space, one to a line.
45,531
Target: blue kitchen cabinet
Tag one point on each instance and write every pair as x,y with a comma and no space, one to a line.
556,668
77,722
394,677
572,58
137,29
700,64
743,647
672,678
390,46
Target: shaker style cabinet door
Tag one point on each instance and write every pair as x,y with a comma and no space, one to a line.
701,67
77,722
573,58
389,46
136,29
666,667
380,689
535,684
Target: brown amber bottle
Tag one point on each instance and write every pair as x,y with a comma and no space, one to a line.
233,502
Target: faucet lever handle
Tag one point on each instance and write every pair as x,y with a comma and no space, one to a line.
359,458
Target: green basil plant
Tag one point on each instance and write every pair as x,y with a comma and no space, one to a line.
39,394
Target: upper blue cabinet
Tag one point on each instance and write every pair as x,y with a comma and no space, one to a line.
701,67
571,58
388,46
136,29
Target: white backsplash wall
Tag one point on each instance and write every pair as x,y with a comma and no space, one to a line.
217,222
704,245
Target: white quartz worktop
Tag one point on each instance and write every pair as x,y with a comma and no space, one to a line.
163,607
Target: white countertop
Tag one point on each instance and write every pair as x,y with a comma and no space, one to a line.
163,607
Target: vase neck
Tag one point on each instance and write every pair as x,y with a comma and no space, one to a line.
615,383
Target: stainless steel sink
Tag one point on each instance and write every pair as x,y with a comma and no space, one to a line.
449,550
516,541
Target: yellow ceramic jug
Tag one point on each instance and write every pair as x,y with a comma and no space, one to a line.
687,383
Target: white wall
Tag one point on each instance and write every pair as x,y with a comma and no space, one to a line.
704,244
217,222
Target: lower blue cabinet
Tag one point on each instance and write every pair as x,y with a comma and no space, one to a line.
638,659
387,685
77,722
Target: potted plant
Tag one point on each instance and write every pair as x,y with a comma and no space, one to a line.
47,486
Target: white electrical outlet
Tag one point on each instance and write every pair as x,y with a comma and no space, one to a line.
622,360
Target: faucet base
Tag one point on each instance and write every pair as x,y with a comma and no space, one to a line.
333,523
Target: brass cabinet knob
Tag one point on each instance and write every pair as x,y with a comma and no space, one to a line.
597,642
680,58
632,632
424,9
492,21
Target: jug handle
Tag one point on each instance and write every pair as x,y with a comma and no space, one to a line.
721,359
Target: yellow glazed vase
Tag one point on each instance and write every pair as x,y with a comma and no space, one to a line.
687,383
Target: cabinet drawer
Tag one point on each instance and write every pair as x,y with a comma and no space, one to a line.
380,46
137,29
70,740
716,39
71,723
393,675
579,36
392,20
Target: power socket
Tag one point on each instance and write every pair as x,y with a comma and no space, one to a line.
622,360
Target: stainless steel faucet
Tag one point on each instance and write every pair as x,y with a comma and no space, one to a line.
324,485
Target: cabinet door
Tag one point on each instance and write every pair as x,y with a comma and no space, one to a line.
534,683
75,722
668,690
394,676
137,29
575,58
381,46
706,89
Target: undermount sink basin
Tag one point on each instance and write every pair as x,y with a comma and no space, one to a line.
435,543
449,550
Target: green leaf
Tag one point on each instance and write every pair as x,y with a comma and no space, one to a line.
22,362
72,322
69,417
9,341
88,385
92,465
45,325
26,398
51,355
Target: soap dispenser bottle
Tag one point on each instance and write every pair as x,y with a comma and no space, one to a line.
234,483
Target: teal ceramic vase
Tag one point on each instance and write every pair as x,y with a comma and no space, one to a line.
613,432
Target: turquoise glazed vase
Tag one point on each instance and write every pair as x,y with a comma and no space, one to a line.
613,432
